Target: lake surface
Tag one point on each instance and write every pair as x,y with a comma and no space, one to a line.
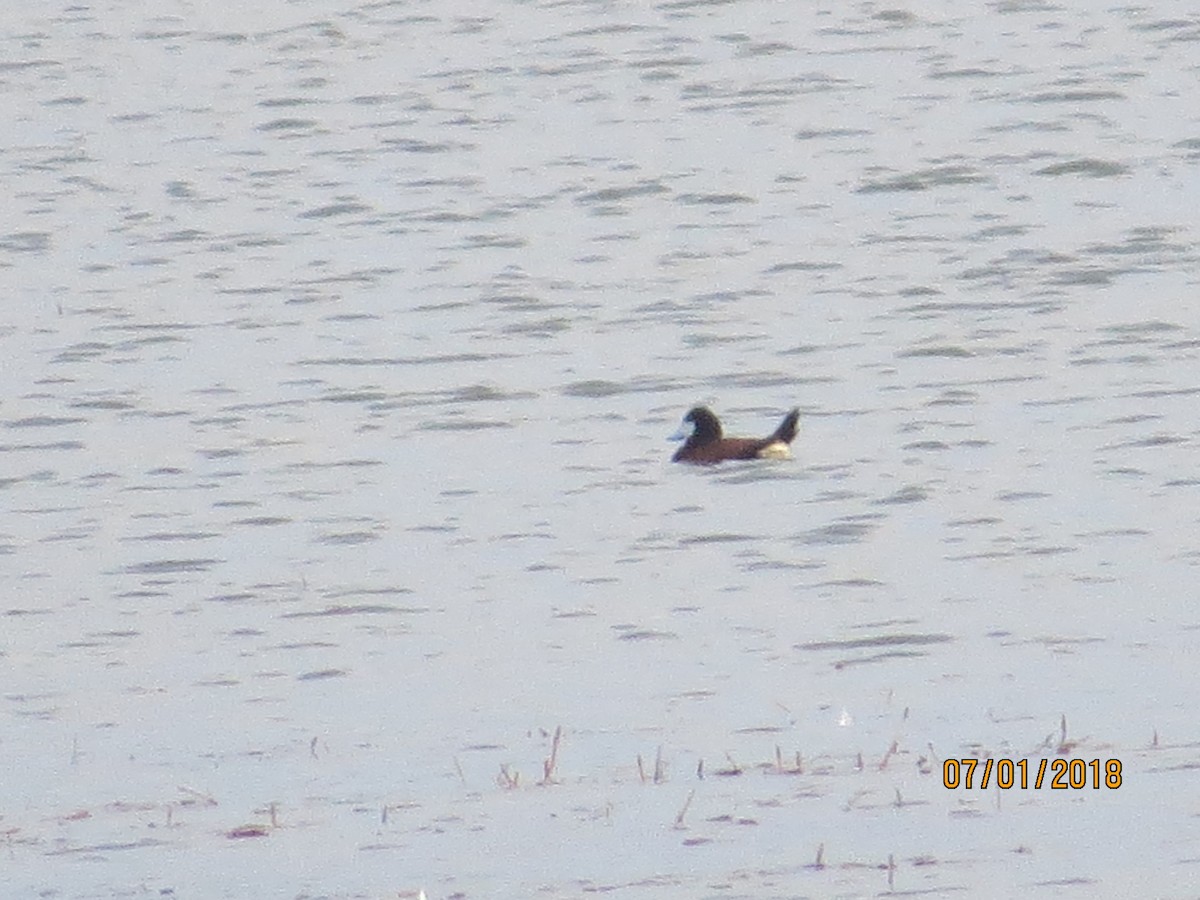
339,346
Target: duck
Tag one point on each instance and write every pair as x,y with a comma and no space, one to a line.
704,443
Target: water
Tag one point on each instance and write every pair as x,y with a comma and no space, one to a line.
339,347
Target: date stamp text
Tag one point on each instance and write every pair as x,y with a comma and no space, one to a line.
1059,774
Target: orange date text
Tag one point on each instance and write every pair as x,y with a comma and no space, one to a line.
1058,774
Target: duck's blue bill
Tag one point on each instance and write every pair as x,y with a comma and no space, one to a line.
684,432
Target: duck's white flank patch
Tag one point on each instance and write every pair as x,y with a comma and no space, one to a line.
775,450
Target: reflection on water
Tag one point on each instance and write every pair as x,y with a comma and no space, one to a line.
339,351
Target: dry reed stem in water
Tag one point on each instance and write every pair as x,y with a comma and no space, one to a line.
683,812
549,764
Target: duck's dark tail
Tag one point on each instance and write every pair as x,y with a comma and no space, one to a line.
786,431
